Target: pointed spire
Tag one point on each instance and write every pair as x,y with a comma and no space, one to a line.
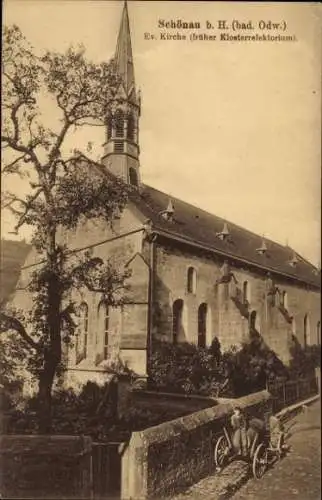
123,53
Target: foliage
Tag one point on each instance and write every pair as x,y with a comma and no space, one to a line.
249,368
91,412
61,194
186,368
11,379
304,359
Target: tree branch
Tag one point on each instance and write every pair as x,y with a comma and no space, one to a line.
13,144
11,323
8,169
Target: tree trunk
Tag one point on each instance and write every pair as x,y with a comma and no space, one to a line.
52,356
46,380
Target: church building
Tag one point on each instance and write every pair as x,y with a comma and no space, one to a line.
194,275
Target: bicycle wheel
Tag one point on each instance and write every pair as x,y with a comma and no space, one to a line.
260,461
221,451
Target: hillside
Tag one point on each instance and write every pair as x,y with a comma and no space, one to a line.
13,255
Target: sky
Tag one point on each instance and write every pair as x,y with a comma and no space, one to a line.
232,127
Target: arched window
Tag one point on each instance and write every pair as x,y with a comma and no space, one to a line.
318,333
202,325
130,127
306,333
133,176
103,314
284,300
191,280
119,123
246,294
82,333
177,326
277,297
254,322
226,296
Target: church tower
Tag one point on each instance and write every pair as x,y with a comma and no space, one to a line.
121,155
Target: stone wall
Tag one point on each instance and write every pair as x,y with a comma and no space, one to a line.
177,402
45,467
164,459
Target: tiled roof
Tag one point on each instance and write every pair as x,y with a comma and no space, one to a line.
200,227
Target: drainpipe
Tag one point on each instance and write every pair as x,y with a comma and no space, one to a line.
151,300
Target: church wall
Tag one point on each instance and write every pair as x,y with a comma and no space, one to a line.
130,319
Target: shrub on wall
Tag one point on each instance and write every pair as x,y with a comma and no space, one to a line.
186,368
304,359
251,367
92,412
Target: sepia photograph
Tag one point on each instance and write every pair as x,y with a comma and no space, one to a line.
160,320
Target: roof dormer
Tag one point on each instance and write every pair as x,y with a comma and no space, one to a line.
263,248
168,213
224,233
294,260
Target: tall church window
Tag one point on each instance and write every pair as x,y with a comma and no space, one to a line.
284,301
202,325
254,323
191,280
133,177
226,295
318,333
103,313
82,333
130,127
246,293
119,123
306,332
177,326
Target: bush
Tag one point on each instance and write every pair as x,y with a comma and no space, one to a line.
186,368
92,412
251,367
304,359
